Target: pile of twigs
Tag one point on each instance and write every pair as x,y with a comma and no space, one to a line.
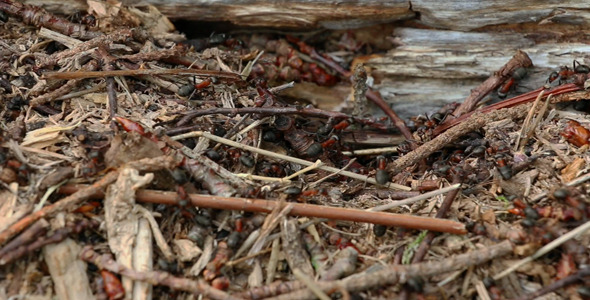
189,145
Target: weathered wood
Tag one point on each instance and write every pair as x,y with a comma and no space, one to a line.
467,15
454,15
432,67
298,14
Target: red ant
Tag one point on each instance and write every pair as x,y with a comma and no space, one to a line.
518,74
565,72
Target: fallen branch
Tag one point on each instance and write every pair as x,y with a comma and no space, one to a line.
391,274
519,60
82,195
518,100
37,16
97,74
106,262
477,120
299,209
116,36
65,88
576,277
271,111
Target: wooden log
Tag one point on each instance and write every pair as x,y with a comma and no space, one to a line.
300,14
430,68
467,15
297,14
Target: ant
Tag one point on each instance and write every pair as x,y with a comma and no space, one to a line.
565,72
518,74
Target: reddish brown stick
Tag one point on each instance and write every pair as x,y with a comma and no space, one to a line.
521,99
520,59
61,205
147,164
372,95
299,209
375,97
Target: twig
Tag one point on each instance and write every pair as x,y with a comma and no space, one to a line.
578,276
81,195
520,59
421,197
299,209
525,124
441,213
154,55
318,163
31,233
314,184
158,278
474,122
285,157
394,274
37,16
97,74
270,111
93,89
40,241
518,100
370,151
375,97
108,65
310,285
545,249
116,36
78,197
64,89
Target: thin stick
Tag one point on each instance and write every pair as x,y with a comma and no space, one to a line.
370,151
398,122
393,274
93,89
318,163
80,195
520,59
310,285
441,213
270,111
474,122
518,100
578,276
262,178
64,89
285,157
97,74
106,262
299,209
552,245
527,126
314,184
415,199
